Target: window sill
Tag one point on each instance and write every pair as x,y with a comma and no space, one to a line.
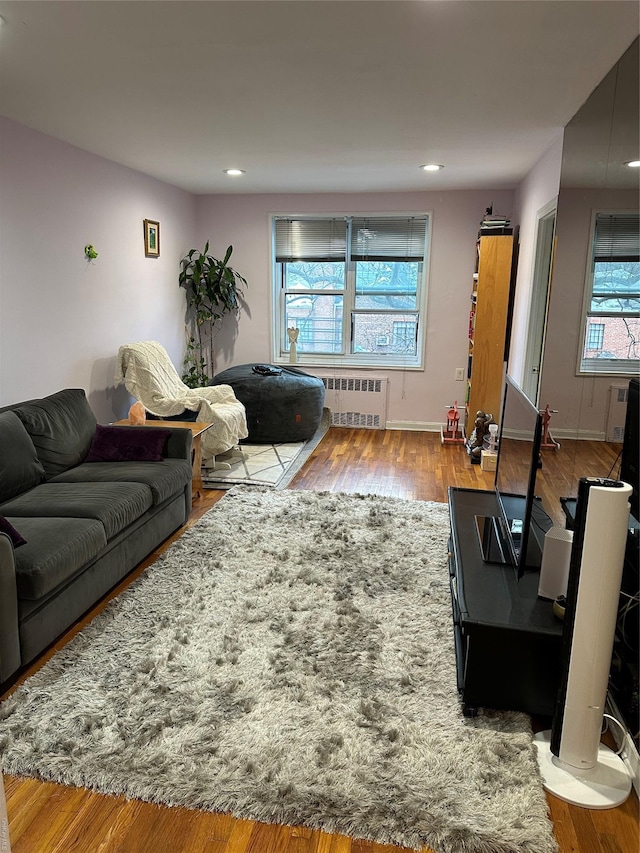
608,368
345,362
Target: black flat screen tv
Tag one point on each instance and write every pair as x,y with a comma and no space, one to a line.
629,458
515,535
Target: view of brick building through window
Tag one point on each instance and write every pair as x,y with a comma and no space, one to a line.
319,319
383,319
612,337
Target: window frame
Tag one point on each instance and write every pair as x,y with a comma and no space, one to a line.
400,361
598,366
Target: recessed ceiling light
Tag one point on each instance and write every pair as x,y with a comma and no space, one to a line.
634,164
233,171
432,167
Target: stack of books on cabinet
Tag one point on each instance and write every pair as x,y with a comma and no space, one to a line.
493,224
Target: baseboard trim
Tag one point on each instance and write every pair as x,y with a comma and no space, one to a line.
414,426
558,434
579,434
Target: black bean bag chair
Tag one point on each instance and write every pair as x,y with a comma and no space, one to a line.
282,403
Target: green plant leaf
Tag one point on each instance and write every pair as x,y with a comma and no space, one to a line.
212,290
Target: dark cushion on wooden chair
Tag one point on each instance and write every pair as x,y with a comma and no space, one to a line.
186,415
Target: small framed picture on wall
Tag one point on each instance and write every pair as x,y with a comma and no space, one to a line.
151,238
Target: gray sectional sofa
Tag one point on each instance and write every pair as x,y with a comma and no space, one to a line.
72,525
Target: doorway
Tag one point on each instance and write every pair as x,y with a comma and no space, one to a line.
541,286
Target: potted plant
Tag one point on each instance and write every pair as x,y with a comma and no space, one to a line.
213,290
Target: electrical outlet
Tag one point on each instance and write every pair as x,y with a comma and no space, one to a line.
459,374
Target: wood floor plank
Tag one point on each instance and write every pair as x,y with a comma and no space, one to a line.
49,823
103,825
563,828
325,842
360,846
207,831
25,800
320,842
47,818
268,838
617,829
241,832
340,844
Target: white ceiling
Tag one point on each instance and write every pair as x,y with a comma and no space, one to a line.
310,95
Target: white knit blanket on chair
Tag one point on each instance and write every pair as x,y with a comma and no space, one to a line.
148,375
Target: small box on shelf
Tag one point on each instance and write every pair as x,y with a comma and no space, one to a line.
488,460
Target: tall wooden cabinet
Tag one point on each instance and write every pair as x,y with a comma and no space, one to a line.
488,324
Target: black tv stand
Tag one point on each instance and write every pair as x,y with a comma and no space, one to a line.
507,640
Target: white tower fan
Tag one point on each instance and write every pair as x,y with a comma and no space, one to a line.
574,765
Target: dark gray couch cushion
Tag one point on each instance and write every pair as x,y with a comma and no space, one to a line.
61,427
20,468
115,505
56,549
164,479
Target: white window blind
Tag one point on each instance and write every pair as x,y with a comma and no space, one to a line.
617,237
388,239
310,240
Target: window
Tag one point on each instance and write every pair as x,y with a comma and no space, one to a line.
353,286
595,336
611,331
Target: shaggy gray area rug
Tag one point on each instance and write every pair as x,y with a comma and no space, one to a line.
289,659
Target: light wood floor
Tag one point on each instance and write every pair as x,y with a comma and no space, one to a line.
48,818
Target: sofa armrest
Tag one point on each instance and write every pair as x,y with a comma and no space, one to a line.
9,637
179,444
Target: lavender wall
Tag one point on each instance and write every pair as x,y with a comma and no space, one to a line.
62,319
538,189
417,399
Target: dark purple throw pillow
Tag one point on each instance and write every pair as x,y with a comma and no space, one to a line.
127,444
12,533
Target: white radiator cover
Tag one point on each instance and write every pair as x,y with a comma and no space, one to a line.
356,401
617,412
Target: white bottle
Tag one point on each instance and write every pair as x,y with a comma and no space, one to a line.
493,437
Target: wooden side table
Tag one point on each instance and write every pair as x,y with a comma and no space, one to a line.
197,428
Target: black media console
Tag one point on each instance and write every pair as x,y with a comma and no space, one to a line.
508,642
